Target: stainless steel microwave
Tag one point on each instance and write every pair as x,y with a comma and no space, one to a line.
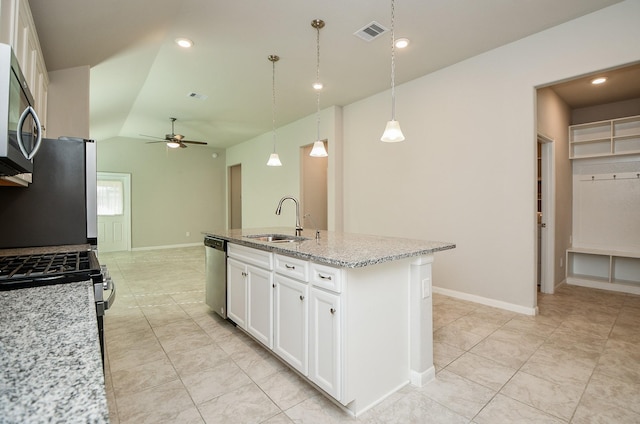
20,129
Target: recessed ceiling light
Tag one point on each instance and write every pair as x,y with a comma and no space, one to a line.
401,43
599,80
184,42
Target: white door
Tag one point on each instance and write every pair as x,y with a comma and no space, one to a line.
546,220
114,212
324,341
260,310
291,322
237,292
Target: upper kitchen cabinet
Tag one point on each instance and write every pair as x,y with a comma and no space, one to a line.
19,31
605,138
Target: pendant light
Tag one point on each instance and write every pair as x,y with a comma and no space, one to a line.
392,132
318,146
274,159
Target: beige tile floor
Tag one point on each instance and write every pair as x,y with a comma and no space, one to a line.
170,360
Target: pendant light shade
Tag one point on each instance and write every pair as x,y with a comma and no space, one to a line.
274,159
318,150
392,132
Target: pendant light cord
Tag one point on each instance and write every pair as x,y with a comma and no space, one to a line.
318,81
273,59
393,63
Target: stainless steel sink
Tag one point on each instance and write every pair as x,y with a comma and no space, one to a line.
276,238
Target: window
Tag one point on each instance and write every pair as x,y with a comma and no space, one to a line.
110,198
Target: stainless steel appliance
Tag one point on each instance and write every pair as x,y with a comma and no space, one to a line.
59,207
48,229
216,274
31,267
20,129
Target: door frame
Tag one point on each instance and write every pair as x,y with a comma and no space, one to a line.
126,184
547,251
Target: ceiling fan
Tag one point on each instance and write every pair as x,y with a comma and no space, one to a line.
173,140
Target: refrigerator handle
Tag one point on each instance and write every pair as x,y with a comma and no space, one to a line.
29,111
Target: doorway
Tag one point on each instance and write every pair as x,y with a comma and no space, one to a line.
114,212
235,196
545,214
313,188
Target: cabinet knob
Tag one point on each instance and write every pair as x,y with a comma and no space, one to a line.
333,311
244,274
301,297
289,266
273,285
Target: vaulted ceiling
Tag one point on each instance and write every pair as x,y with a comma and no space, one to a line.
140,77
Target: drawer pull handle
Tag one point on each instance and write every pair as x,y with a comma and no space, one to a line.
333,311
289,266
324,277
301,297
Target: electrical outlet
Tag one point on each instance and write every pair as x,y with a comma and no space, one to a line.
188,234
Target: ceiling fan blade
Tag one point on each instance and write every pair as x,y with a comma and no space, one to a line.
154,142
183,146
194,142
152,136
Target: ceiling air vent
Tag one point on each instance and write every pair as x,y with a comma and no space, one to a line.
197,96
371,31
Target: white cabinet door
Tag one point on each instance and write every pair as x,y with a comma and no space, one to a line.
291,322
237,292
260,305
325,341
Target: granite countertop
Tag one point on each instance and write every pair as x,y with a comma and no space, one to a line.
50,361
345,250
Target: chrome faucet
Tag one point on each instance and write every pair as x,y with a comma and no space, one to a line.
279,209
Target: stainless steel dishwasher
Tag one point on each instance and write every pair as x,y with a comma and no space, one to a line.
216,274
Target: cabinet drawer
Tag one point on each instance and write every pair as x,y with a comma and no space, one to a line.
251,256
292,267
327,277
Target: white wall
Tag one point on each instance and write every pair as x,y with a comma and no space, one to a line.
173,191
263,186
467,172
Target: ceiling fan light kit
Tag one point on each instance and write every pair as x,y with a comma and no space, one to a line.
174,140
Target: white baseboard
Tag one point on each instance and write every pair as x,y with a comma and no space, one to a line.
419,379
486,301
170,246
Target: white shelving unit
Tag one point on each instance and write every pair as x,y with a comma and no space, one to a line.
605,138
604,269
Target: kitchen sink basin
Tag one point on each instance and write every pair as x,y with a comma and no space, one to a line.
276,238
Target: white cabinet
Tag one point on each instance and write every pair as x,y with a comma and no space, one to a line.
291,315
605,138
603,269
237,292
260,305
325,342
249,291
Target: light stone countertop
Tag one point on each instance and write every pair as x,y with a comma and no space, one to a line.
347,250
50,361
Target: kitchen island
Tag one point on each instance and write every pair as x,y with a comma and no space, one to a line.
50,362
351,313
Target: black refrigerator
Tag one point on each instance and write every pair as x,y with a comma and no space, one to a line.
58,207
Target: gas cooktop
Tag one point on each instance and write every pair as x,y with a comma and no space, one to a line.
41,267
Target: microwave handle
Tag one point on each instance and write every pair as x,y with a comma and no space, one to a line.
29,110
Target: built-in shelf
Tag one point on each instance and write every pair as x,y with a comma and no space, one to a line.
605,138
604,269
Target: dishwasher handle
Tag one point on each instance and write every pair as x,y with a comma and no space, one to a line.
215,243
